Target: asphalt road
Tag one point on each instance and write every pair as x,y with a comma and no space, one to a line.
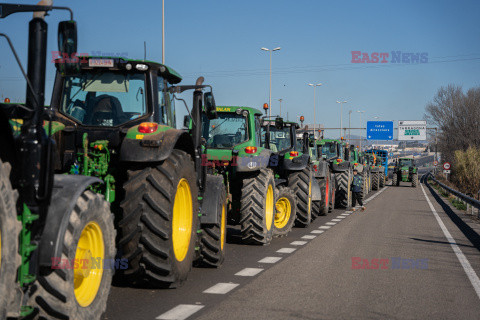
423,278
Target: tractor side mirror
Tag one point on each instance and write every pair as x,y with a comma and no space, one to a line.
186,121
278,123
67,45
210,106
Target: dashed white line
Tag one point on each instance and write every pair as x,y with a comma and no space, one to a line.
249,272
324,227
337,220
341,217
221,288
180,312
345,214
472,276
331,223
270,260
286,250
317,231
298,243
309,236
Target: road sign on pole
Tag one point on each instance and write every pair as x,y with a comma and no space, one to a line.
380,130
412,130
446,166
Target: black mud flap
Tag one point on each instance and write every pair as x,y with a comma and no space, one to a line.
316,192
66,190
280,182
211,200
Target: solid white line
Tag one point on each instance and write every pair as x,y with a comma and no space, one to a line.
180,312
317,231
286,250
249,272
270,260
309,236
337,220
472,276
221,288
324,227
298,243
331,223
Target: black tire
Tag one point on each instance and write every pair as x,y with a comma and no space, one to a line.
285,211
212,238
257,209
364,192
324,202
344,194
332,187
301,184
376,181
147,222
382,179
55,297
10,229
414,180
395,180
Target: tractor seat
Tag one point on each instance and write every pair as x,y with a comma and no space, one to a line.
107,111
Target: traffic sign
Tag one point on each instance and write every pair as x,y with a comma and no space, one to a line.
380,130
412,130
435,163
446,166
447,171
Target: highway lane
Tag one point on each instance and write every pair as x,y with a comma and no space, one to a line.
318,281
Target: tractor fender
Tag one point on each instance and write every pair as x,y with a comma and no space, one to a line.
316,192
253,163
157,147
340,167
66,190
211,196
296,164
322,169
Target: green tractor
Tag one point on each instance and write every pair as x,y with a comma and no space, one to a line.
118,124
358,163
377,171
405,170
57,237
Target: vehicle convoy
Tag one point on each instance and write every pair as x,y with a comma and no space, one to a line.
377,169
358,164
48,221
405,170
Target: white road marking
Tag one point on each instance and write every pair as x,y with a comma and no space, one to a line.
270,260
298,243
472,276
317,231
341,217
249,272
324,227
345,214
331,223
337,220
221,288
286,250
309,236
180,312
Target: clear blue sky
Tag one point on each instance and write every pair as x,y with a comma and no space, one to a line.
221,40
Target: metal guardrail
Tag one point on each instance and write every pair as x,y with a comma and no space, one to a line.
469,201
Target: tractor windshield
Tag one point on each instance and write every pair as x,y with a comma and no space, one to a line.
329,150
405,162
226,131
104,99
280,139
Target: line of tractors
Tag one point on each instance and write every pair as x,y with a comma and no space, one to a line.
101,183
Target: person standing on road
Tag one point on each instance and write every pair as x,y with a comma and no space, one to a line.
357,184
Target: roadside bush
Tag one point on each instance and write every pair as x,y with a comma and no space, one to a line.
467,170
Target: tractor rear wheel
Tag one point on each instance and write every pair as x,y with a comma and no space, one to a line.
301,184
213,237
414,180
332,194
376,181
81,291
9,232
160,221
257,208
344,194
395,180
382,180
285,209
323,203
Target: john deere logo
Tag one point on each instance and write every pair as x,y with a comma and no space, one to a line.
251,165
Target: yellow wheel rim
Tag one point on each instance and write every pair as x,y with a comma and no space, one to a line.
182,220
87,279
284,210
223,228
269,207
309,196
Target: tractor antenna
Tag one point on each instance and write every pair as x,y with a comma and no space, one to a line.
144,50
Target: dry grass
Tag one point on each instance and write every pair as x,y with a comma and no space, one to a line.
466,170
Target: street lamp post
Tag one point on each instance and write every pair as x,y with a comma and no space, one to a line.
361,128
163,31
341,118
270,91
280,100
314,118
349,126
376,118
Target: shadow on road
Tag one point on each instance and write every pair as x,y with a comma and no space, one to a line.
471,234
442,242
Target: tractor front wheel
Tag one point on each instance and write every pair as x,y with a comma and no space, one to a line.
285,211
88,245
414,180
344,194
395,179
9,234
